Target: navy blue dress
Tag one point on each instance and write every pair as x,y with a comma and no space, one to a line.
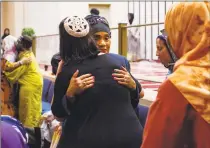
102,116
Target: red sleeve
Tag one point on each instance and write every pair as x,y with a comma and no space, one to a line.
165,118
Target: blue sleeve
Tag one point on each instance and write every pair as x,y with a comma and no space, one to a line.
134,93
127,65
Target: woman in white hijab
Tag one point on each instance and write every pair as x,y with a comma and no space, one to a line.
10,54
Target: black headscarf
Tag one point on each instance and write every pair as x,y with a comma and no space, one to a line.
97,23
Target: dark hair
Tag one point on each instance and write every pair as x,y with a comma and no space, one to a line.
5,35
23,42
6,29
76,49
55,62
163,38
94,11
169,49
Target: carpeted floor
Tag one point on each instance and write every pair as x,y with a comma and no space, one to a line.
150,74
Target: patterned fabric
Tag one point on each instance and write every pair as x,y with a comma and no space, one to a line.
10,53
170,50
98,24
188,28
177,123
76,26
13,133
6,94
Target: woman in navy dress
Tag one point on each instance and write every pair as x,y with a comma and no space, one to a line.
98,113
101,32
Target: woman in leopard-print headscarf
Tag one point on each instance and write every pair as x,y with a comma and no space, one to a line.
9,63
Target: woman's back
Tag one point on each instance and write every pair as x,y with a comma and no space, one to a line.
33,72
103,115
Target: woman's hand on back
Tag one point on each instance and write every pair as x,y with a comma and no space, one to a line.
78,84
26,61
123,77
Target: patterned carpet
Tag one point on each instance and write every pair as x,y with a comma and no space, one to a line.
150,74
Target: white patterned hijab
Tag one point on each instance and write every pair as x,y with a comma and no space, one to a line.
10,52
76,26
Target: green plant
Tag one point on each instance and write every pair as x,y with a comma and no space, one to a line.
28,31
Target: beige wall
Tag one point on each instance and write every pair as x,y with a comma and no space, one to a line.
7,16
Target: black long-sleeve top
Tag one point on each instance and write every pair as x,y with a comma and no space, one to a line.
102,116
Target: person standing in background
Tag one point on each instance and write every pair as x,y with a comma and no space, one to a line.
6,33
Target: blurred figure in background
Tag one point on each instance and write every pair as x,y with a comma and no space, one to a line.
30,80
164,53
10,54
6,33
9,63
